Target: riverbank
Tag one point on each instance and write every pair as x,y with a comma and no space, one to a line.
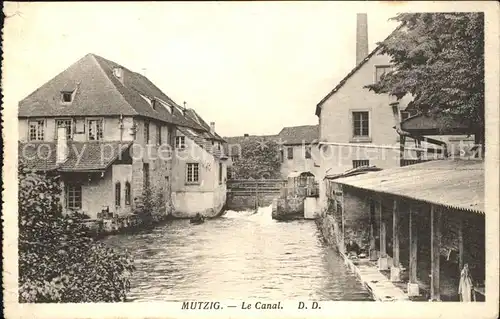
379,286
102,227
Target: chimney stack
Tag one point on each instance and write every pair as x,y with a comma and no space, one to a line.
62,150
212,128
361,37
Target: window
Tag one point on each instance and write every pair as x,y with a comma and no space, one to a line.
146,132
289,154
66,97
66,123
145,168
308,151
118,194
127,193
220,173
359,163
192,173
360,123
180,142
234,158
158,134
74,196
36,130
381,70
95,130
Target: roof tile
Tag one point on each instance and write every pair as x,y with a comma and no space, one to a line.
456,184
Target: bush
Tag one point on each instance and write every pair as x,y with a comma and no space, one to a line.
259,159
151,205
58,262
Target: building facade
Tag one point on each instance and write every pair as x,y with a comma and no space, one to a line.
199,170
299,149
108,132
358,127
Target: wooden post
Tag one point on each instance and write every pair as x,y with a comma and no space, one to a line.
256,196
461,244
373,249
342,218
413,234
402,141
372,242
382,260
419,153
395,271
435,247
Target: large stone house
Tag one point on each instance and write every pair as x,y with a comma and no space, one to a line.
108,132
358,127
200,169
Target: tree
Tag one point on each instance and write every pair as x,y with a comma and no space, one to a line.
439,59
58,262
259,158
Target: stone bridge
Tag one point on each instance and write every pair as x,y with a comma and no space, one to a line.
244,194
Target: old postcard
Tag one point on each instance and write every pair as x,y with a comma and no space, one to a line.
250,159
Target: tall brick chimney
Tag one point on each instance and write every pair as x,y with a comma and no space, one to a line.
62,150
361,37
212,127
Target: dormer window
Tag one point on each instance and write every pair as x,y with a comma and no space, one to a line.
67,96
118,72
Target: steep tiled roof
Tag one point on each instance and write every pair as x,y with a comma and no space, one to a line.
455,184
200,140
39,156
351,73
294,135
192,115
82,156
99,93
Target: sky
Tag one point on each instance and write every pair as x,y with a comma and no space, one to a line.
250,67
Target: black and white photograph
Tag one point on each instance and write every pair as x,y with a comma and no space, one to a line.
250,158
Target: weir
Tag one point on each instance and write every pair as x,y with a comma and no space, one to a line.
246,194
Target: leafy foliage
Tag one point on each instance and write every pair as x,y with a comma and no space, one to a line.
151,205
259,158
439,60
58,262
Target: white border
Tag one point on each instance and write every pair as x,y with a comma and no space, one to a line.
488,309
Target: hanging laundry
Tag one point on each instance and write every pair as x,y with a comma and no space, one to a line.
465,287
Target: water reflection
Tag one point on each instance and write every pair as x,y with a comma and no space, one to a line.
239,256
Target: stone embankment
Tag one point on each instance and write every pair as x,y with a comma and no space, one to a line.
379,286
110,225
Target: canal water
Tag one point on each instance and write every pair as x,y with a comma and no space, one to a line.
241,255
